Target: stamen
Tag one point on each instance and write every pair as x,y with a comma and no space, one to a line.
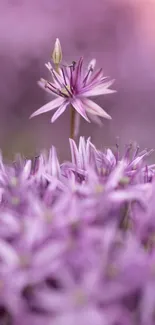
71,77
64,76
136,153
87,75
96,76
50,88
128,151
78,71
117,151
56,78
73,64
62,85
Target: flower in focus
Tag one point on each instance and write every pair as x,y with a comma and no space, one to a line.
72,86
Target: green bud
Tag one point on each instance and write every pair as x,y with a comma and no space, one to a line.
57,53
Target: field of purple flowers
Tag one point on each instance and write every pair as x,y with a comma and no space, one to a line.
77,240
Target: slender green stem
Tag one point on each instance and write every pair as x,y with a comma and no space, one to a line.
57,68
72,123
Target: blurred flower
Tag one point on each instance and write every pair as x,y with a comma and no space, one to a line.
72,87
77,239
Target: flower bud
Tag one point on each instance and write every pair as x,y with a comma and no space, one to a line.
57,52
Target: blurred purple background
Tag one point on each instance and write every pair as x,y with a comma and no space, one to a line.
119,33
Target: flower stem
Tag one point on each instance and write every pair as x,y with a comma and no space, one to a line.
57,68
72,123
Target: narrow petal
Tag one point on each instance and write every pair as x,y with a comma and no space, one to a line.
99,91
53,167
95,109
95,119
78,105
78,72
74,153
116,175
89,71
59,78
42,84
49,106
102,89
96,77
59,111
92,64
27,170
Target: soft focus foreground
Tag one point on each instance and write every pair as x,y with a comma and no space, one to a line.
77,240
118,33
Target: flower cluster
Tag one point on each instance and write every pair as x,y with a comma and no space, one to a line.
77,239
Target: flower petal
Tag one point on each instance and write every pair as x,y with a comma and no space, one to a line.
89,71
59,111
74,153
49,106
95,109
78,71
102,89
95,119
42,84
91,64
78,105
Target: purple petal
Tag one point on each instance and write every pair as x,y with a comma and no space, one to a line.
95,119
116,175
55,166
77,104
92,64
59,111
42,84
97,77
89,71
95,109
74,153
78,72
102,89
49,106
26,170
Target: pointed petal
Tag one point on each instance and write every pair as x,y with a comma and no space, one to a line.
95,119
92,64
99,91
42,84
49,106
59,111
55,166
74,153
116,175
48,66
102,89
78,71
78,105
96,77
95,109
26,170
89,72
57,78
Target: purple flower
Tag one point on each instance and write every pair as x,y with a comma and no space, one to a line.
72,87
77,239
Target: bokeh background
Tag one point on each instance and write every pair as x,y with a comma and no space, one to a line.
120,34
